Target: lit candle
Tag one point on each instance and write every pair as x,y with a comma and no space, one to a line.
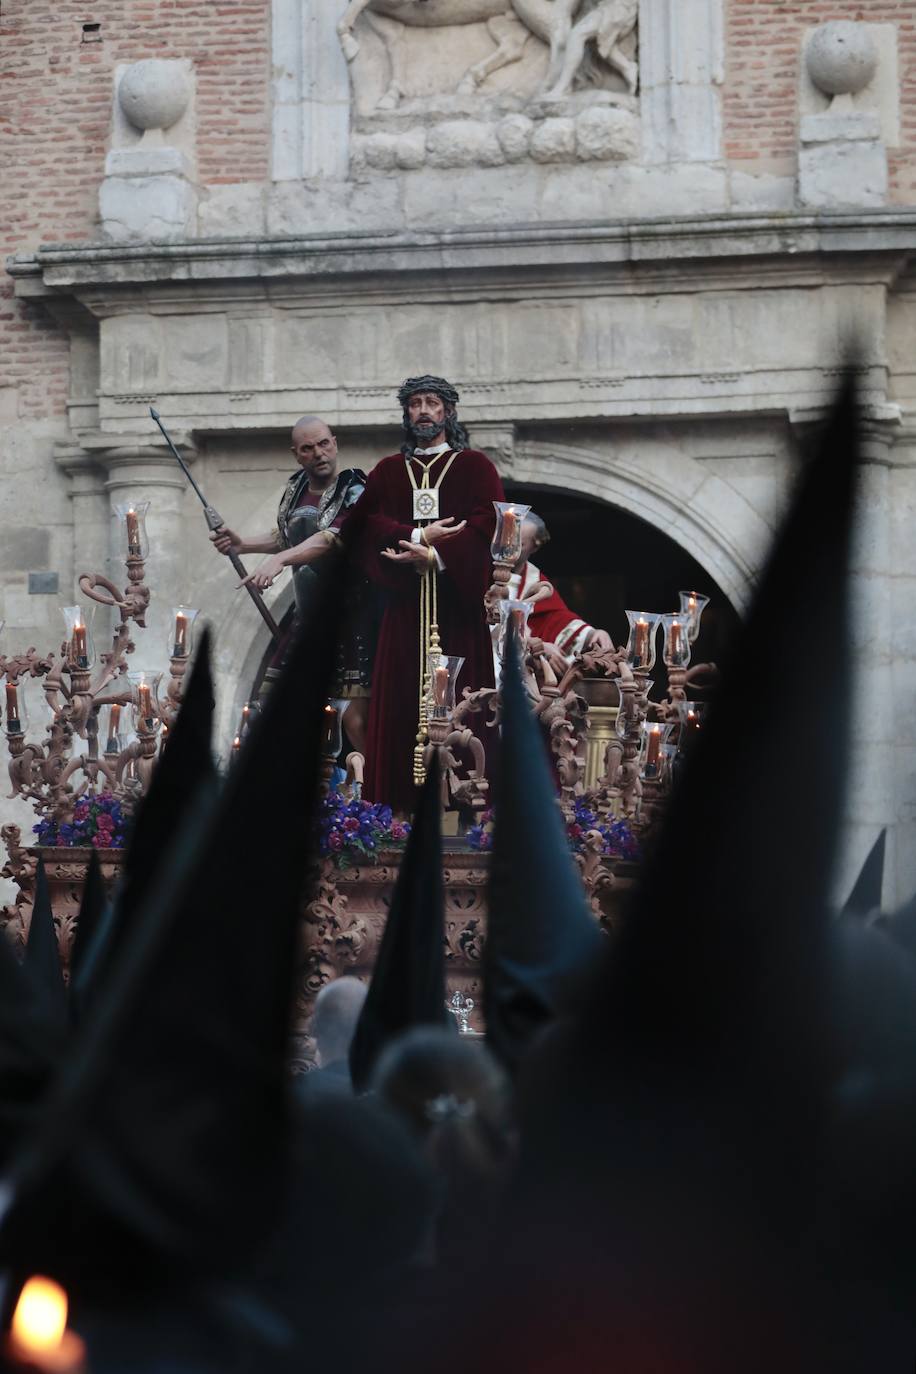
510,524
330,729
518,624
181,636
114,723
641,643
236,746
653,751
39,1338
440,685
674,640
12,709
78,647
144,702
133,534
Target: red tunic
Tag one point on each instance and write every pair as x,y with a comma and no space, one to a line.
382,517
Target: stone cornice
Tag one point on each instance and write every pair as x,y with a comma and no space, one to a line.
888,236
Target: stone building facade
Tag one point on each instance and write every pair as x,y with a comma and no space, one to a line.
639,234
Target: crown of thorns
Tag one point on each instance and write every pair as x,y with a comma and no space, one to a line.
438,385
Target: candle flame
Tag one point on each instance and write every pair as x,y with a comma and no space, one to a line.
40,1318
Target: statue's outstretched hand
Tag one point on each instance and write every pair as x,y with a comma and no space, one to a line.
264,575
442,529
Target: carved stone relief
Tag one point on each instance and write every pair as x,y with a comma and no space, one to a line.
463,83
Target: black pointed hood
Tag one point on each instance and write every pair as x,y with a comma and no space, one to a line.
541,935
42,952
865,896
32,1043
168,1134
408,981
185,765
92,911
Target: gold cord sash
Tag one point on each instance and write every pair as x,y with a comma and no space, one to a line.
425,509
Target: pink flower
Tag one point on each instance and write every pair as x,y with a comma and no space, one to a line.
351,824
398,830
81,811
335,840
101,841
104,822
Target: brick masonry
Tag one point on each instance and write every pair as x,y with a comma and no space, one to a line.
760,97
55,125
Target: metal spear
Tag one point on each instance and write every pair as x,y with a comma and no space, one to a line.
216,522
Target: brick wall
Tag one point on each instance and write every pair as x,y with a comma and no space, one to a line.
55,118
760,98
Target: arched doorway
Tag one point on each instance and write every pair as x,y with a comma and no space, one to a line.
604,560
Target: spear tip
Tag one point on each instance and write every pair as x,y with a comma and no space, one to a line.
154,413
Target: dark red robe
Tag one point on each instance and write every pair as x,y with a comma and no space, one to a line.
382,517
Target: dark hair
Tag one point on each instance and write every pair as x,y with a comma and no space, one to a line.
455,433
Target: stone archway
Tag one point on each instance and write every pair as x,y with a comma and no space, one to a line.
695,507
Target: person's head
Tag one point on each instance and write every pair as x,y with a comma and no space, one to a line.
337,1010
429,413
535,535
315,448
454,1096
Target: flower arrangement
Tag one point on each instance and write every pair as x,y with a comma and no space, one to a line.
619,840
350,830
98,820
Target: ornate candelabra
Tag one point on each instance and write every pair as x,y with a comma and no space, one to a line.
93,702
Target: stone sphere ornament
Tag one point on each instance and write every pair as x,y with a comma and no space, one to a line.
154,93
841,57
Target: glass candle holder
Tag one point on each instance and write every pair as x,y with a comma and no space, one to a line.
641,641
675,640
692,606
112,728
443,672
507,538
514,613
655,755
331,730
181,638
17,716
145,693
132,515
80,646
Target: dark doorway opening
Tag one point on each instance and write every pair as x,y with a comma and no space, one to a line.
604,561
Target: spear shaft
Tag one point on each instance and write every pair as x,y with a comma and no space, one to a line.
216,522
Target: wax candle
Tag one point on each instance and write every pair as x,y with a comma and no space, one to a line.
236,745
114,725
181,636
653,751
330,730
144,702
518,624
674,640
39,1339
78,647
510,525
133,534
641,642
440,685
12,709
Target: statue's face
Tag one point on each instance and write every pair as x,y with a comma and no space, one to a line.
426,415
316,449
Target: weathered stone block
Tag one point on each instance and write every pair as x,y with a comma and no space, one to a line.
554,141
834,175
846,127
514,134
22,547
148,208
463,143
604,132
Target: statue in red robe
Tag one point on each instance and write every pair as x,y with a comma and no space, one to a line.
428,507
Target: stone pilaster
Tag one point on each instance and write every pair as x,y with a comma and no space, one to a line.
311,91
681,66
